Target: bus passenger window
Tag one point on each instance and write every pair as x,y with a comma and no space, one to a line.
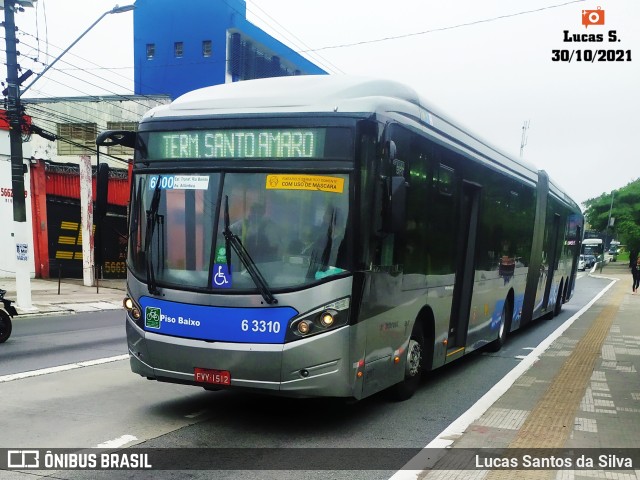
445,180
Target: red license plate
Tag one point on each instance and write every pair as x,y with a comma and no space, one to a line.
207,375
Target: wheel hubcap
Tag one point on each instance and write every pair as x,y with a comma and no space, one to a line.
413,358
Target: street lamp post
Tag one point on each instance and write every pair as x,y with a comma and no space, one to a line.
22,231
115,9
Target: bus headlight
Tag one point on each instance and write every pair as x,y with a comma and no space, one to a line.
132,308
304,327
327,317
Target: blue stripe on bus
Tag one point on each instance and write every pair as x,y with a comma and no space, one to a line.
225,324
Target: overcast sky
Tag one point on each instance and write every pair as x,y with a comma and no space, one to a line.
490,75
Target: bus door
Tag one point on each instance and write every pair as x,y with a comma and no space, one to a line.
552,260
465,271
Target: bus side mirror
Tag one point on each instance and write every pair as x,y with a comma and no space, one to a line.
110,138
102,190
102,193
396,205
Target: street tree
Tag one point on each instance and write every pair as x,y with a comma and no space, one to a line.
625,209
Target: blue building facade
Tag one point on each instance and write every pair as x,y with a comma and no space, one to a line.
183,45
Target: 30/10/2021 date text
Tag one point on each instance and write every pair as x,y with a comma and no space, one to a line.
591,55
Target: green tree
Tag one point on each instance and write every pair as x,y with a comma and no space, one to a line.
625,210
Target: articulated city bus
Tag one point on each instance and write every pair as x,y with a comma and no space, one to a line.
330,236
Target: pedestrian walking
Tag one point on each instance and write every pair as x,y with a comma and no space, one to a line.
635,271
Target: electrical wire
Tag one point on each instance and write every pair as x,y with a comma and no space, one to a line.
65,72
116,102
112,70
297,42
82,107
440,29
83,146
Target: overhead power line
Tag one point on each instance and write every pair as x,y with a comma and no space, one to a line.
440,29
296,41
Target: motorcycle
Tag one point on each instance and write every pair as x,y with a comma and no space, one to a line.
7,311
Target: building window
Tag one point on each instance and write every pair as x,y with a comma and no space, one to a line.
178,49
77,138
151,51
207,49
119,149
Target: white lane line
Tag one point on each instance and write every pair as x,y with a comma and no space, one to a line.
61,368
117,442
455,430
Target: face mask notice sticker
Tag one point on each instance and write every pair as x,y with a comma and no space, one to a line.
305,182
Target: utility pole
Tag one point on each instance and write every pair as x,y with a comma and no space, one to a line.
14,114
21,230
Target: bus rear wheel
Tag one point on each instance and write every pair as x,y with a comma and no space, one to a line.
503,329
559,300
413,368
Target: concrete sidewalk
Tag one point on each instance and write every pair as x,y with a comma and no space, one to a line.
582,394
73,296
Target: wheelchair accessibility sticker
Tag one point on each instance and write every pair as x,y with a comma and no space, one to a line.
221,276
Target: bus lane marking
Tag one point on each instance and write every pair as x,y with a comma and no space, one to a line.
117,442
61,368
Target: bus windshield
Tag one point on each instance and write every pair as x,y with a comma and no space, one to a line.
592,246
293,227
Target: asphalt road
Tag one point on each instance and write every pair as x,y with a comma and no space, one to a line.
49,341
88,406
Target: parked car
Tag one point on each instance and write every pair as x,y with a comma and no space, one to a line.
581,263
590,260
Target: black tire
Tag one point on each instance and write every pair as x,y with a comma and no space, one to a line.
414,367
503,329
558,307
5,326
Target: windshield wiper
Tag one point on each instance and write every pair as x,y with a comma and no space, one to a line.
152,220
232,240
323,264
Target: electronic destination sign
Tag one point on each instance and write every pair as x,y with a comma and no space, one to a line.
278,143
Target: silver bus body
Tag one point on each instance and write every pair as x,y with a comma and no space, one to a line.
454,311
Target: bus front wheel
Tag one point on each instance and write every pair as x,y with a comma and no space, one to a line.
413,368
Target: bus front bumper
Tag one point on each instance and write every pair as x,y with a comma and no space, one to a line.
315,366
